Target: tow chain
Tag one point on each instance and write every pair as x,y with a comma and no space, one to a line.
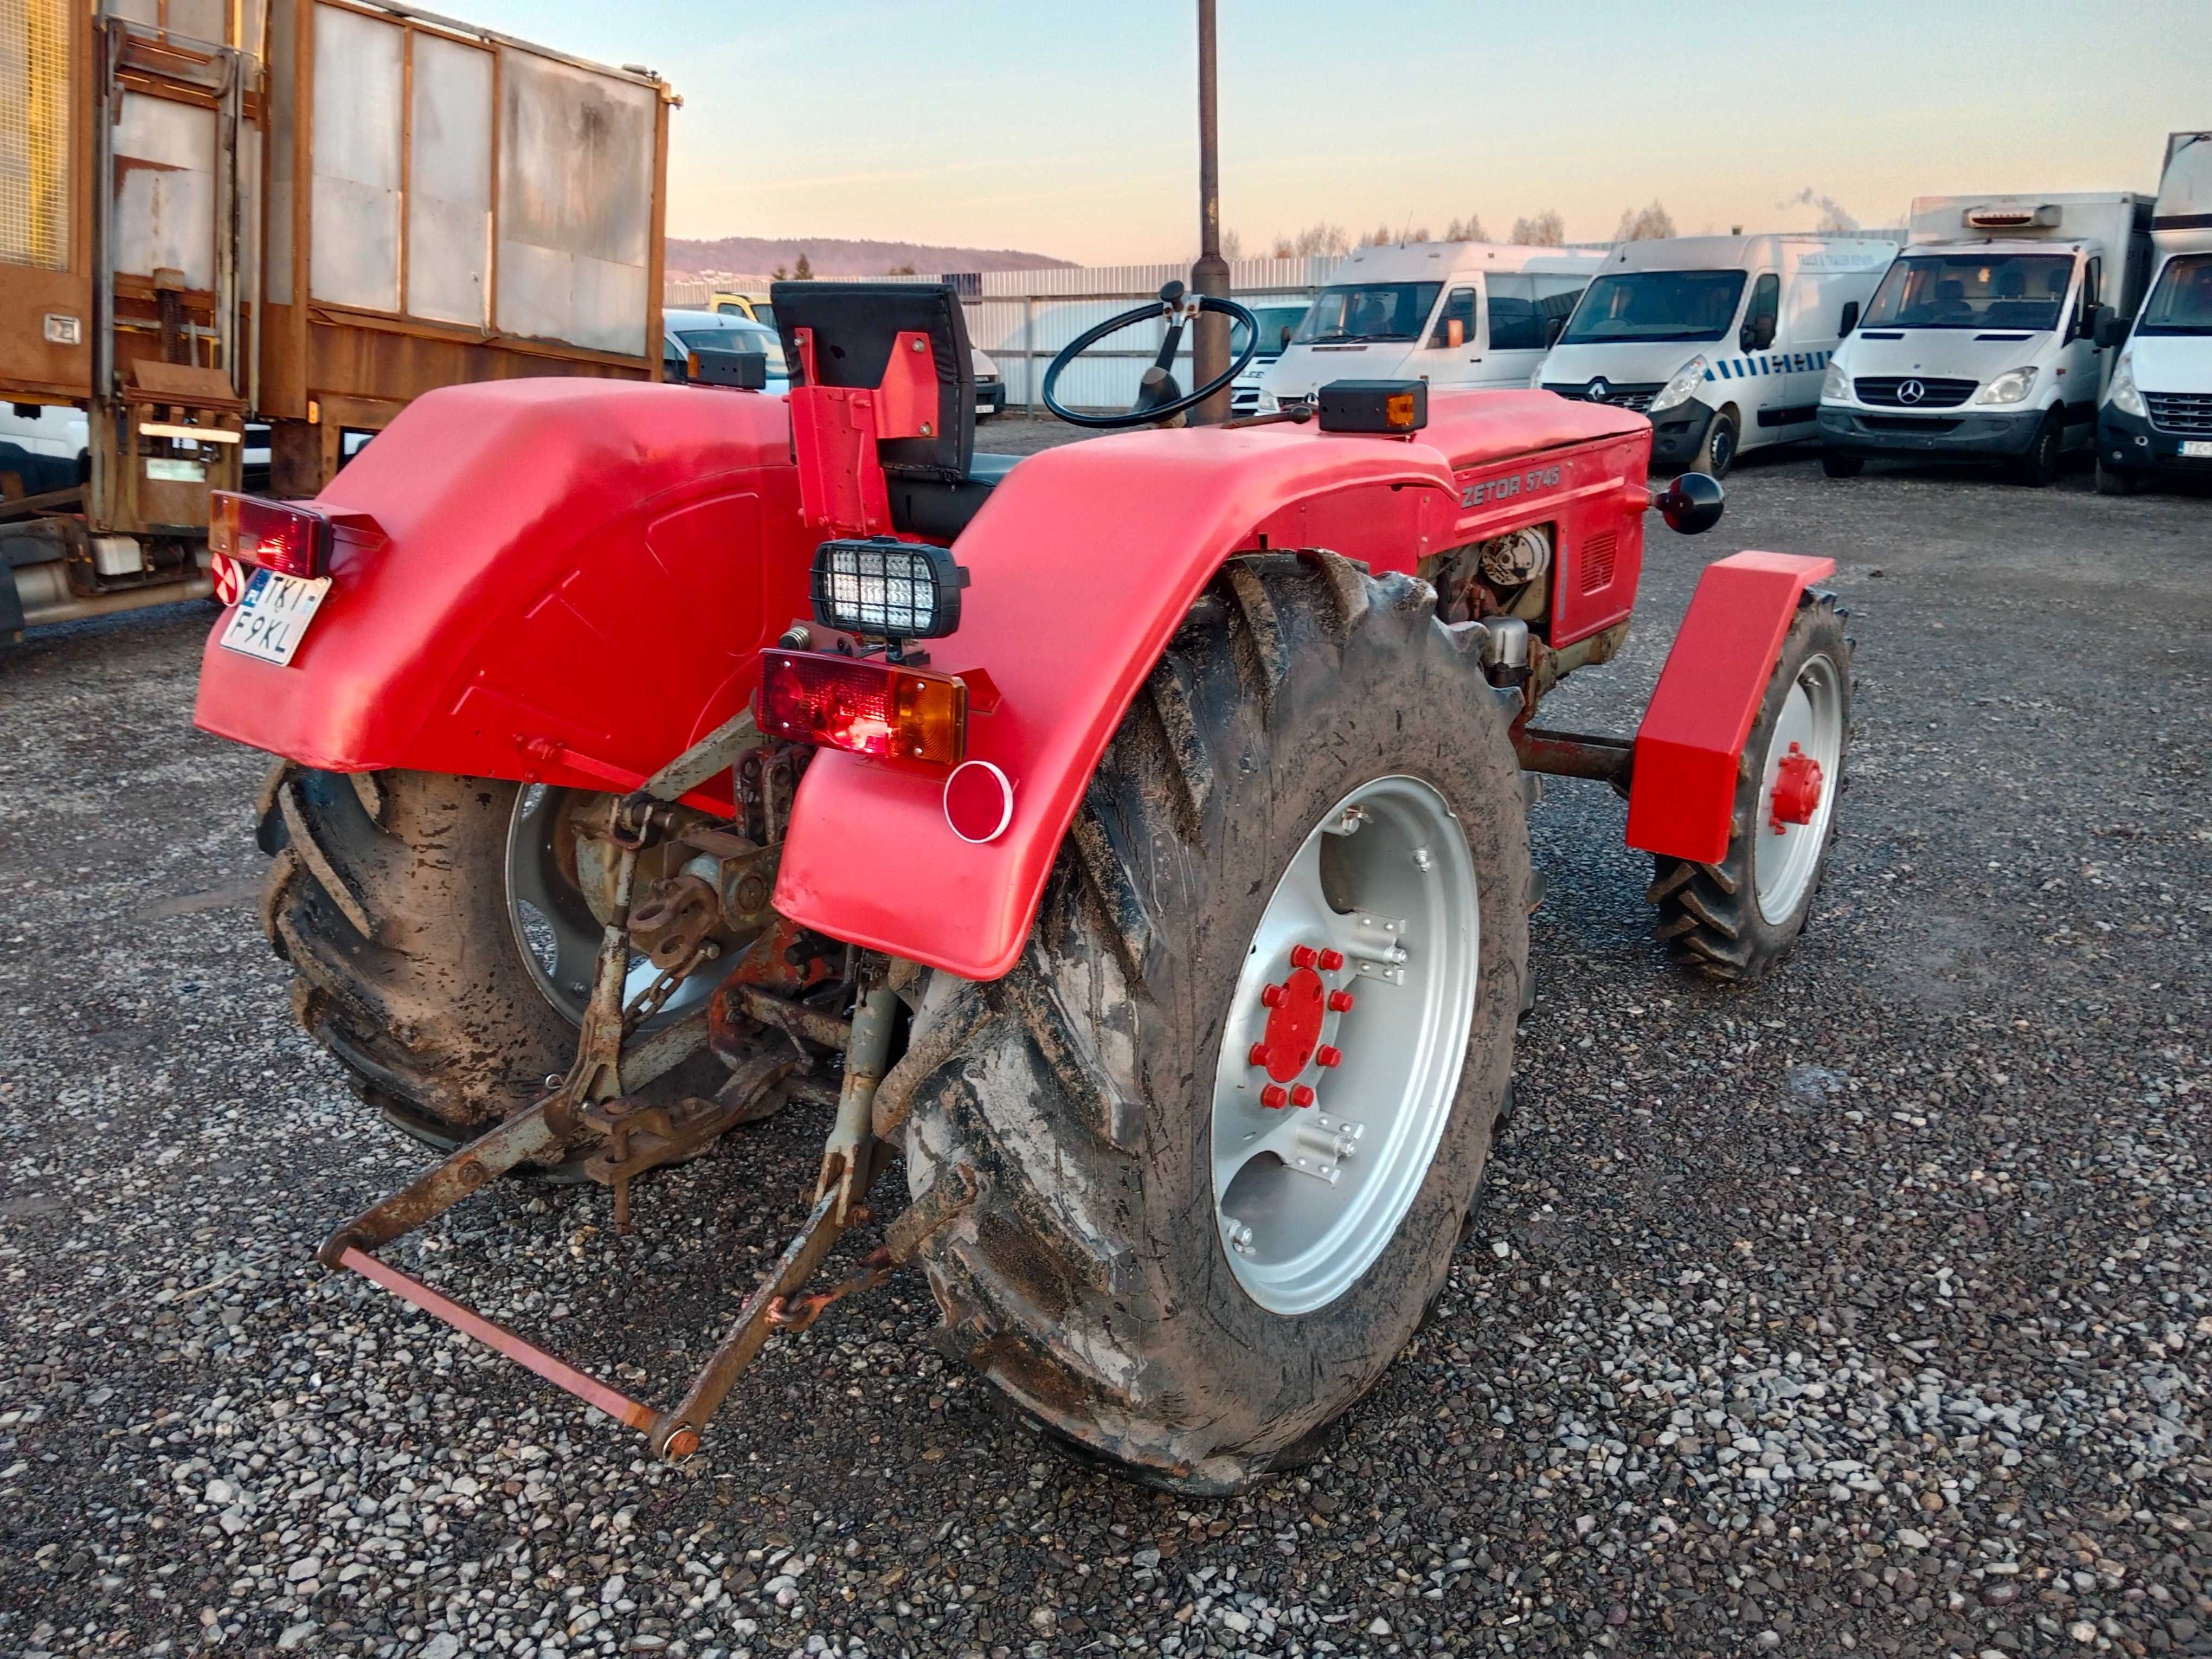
648,1002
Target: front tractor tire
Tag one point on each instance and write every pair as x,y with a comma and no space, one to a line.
386,894
1736,921
1223,1165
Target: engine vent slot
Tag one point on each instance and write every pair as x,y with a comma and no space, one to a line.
1597,562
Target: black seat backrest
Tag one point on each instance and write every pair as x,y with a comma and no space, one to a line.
855,325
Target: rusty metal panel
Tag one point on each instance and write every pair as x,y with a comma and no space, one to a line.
359,70
283,107
165,189
577,184
449,182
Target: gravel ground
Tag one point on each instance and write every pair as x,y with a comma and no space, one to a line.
1865,1310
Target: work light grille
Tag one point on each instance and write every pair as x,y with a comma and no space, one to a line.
886,588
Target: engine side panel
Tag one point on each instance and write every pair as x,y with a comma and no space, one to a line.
579,577
1682,794
1082,565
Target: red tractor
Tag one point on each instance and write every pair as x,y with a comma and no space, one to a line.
1133,837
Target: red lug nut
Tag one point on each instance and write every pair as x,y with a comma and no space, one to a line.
1275,1097
1331,961
1339,1002
1272,996
1259,1054
1304,955
1301,1096
1328,1054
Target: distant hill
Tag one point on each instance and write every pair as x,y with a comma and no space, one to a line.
831,256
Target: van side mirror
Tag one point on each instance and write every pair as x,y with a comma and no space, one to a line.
2112,328
1553,327
1454,332
1758,333
1286,337
1850,318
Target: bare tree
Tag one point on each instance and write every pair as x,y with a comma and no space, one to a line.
1381,236
1547,229
1469,229
1652,224
1320,237
1232,245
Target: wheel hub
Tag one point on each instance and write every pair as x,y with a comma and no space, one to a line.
1307,1195
1796,790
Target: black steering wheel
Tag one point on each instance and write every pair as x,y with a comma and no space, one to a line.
1158,397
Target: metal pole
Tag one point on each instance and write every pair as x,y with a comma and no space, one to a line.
1210,339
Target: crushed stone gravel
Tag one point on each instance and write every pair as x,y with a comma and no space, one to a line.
1867,1311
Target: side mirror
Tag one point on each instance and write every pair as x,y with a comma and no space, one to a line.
2111,329
1850,319
1691,504
1454,332
1758,333
1286,337
1553,327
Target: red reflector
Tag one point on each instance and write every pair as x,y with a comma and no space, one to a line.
287,537
864,706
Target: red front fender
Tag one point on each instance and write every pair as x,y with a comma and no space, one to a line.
1682,791
1082,564
579,576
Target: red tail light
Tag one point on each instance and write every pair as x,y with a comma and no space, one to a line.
865,707
288,537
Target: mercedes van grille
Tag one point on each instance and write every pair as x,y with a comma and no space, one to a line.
1882,392
2186,412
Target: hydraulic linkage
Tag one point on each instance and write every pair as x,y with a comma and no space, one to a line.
588,1108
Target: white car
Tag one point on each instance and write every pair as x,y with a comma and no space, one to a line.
685,331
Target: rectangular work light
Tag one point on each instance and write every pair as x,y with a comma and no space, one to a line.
864,706
286,536
887,589
1398,406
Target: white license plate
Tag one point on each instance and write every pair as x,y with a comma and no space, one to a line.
982,408
2196,449
273,614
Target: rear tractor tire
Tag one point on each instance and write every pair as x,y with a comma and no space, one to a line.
393,896
1230,1110
1736,920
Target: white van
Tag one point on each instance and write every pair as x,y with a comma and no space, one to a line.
1451,313
42,448
2157,418
1981,343
1721,340
1279,321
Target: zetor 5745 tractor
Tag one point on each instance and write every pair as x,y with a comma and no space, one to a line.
1134,838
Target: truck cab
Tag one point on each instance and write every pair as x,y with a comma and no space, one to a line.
2157,418
1452,313
1721,340
1982,342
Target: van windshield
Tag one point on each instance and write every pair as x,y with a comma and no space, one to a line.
1656,305
1972,290
2181,303
1277,324
1370,311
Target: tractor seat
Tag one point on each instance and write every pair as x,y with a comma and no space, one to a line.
936,483
940,511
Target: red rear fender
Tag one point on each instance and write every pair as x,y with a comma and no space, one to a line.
579,578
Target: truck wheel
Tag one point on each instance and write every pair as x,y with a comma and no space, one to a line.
2038,468
2110,482
1737,918
1230,1110
439,933
1841,463
1717,453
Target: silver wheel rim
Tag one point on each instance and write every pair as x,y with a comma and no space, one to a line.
554,926
1307,1197
1812,717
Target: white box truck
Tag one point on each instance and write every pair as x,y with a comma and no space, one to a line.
2157,418
1721,340
1451,313
1981,342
